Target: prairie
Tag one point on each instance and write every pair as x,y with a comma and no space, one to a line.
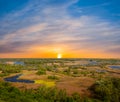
71,75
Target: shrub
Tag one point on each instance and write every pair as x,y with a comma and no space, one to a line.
67,71
9,93
107,90
49,68
41,72
10,68
75,72
53,77
84,73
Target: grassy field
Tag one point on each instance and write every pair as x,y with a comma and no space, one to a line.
72,75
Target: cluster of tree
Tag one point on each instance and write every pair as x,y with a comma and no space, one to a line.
41,72
107,90
7,69
9,93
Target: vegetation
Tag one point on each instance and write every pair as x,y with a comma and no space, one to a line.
41,72
46,83
87,76
53,77
107,90
42,94
8,69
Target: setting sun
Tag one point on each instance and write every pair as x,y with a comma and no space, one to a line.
59,55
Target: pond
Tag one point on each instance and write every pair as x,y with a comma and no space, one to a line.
15,79
115,66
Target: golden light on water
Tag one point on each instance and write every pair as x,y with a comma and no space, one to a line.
59,55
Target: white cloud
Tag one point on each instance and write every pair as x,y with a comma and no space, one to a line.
55,25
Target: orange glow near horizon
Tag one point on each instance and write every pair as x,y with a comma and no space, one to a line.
57,51
52,53
54,56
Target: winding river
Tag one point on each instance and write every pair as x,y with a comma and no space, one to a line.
15,79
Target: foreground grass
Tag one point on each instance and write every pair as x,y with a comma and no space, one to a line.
107,90
104,90
9,93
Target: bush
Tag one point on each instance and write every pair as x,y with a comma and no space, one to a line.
67,71
75,72
10,68
107,90
41,72
49,68
84,73
53,77
9,93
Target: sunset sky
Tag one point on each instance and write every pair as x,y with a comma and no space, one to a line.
72,28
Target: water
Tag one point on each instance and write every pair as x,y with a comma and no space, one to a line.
15,79
115,67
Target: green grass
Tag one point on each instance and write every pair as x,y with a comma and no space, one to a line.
9,93
107,90
41,72
53,77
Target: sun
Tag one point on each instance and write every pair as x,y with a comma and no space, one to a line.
59,55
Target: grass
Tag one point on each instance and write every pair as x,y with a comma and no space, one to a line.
46,83
41,72
53,77
73,77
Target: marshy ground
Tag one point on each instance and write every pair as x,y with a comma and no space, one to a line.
73,75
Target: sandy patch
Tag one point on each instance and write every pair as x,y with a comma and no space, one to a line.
24,86
79,85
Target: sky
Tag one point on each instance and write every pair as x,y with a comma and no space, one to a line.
72,28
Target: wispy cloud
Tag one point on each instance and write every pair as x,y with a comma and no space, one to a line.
40,24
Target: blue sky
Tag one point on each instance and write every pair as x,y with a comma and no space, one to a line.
85,28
